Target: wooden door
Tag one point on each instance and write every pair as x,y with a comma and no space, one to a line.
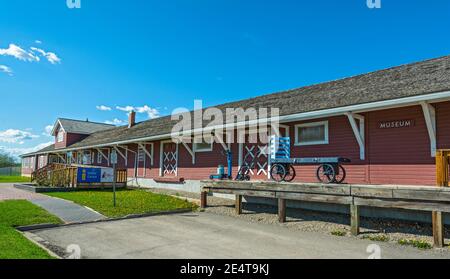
170,160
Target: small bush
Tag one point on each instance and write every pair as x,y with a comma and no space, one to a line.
339,233
379,237
421,244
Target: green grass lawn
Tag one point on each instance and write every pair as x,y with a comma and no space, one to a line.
13,245
128,202
13,179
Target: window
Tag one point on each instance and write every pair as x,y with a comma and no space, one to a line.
60,137
311,133
203,146
87,158
79,158
41,161
141,154
99,158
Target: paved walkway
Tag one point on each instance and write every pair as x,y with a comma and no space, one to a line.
205,235
67,211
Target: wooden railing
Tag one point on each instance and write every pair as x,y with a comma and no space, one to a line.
42,176
417,198
121,176
442,168
63,177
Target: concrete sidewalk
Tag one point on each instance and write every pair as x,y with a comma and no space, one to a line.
204,235
67,211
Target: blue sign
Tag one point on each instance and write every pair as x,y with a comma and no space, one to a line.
89,175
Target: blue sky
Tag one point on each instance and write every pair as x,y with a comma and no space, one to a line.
161,55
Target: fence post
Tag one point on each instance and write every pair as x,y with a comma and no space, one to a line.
442,178
354,219
238,205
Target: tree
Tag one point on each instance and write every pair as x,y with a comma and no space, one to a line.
7,160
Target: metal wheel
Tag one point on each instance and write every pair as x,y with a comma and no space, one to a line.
290,173
326,173
278,173
341,176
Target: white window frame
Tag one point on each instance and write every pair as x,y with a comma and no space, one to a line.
312,124
196,150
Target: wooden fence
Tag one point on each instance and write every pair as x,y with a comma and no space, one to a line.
61,175
426,198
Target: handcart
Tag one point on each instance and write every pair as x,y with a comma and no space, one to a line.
330,169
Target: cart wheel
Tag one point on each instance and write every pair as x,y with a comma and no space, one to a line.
243,174
278,173
341,176
290,173
326,173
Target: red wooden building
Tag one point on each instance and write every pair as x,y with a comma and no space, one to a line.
389,123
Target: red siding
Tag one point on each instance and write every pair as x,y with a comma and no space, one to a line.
443,125
342,143
401,155
69,139
393,156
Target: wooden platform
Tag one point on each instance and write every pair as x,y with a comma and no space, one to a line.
423,198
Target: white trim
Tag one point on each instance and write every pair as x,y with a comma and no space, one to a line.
61,157
241,155
60,136
125,157
197,150
429,113
312,124
149,154
161,157
358,132
380,105
103,155
58,122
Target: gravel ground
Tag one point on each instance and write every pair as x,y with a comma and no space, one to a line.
312,221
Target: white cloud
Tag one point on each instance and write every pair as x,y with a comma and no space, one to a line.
48,131
50,56
16,152
151,112
16,136
126,109
19,53
116,122
103,108
38,42
7,70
